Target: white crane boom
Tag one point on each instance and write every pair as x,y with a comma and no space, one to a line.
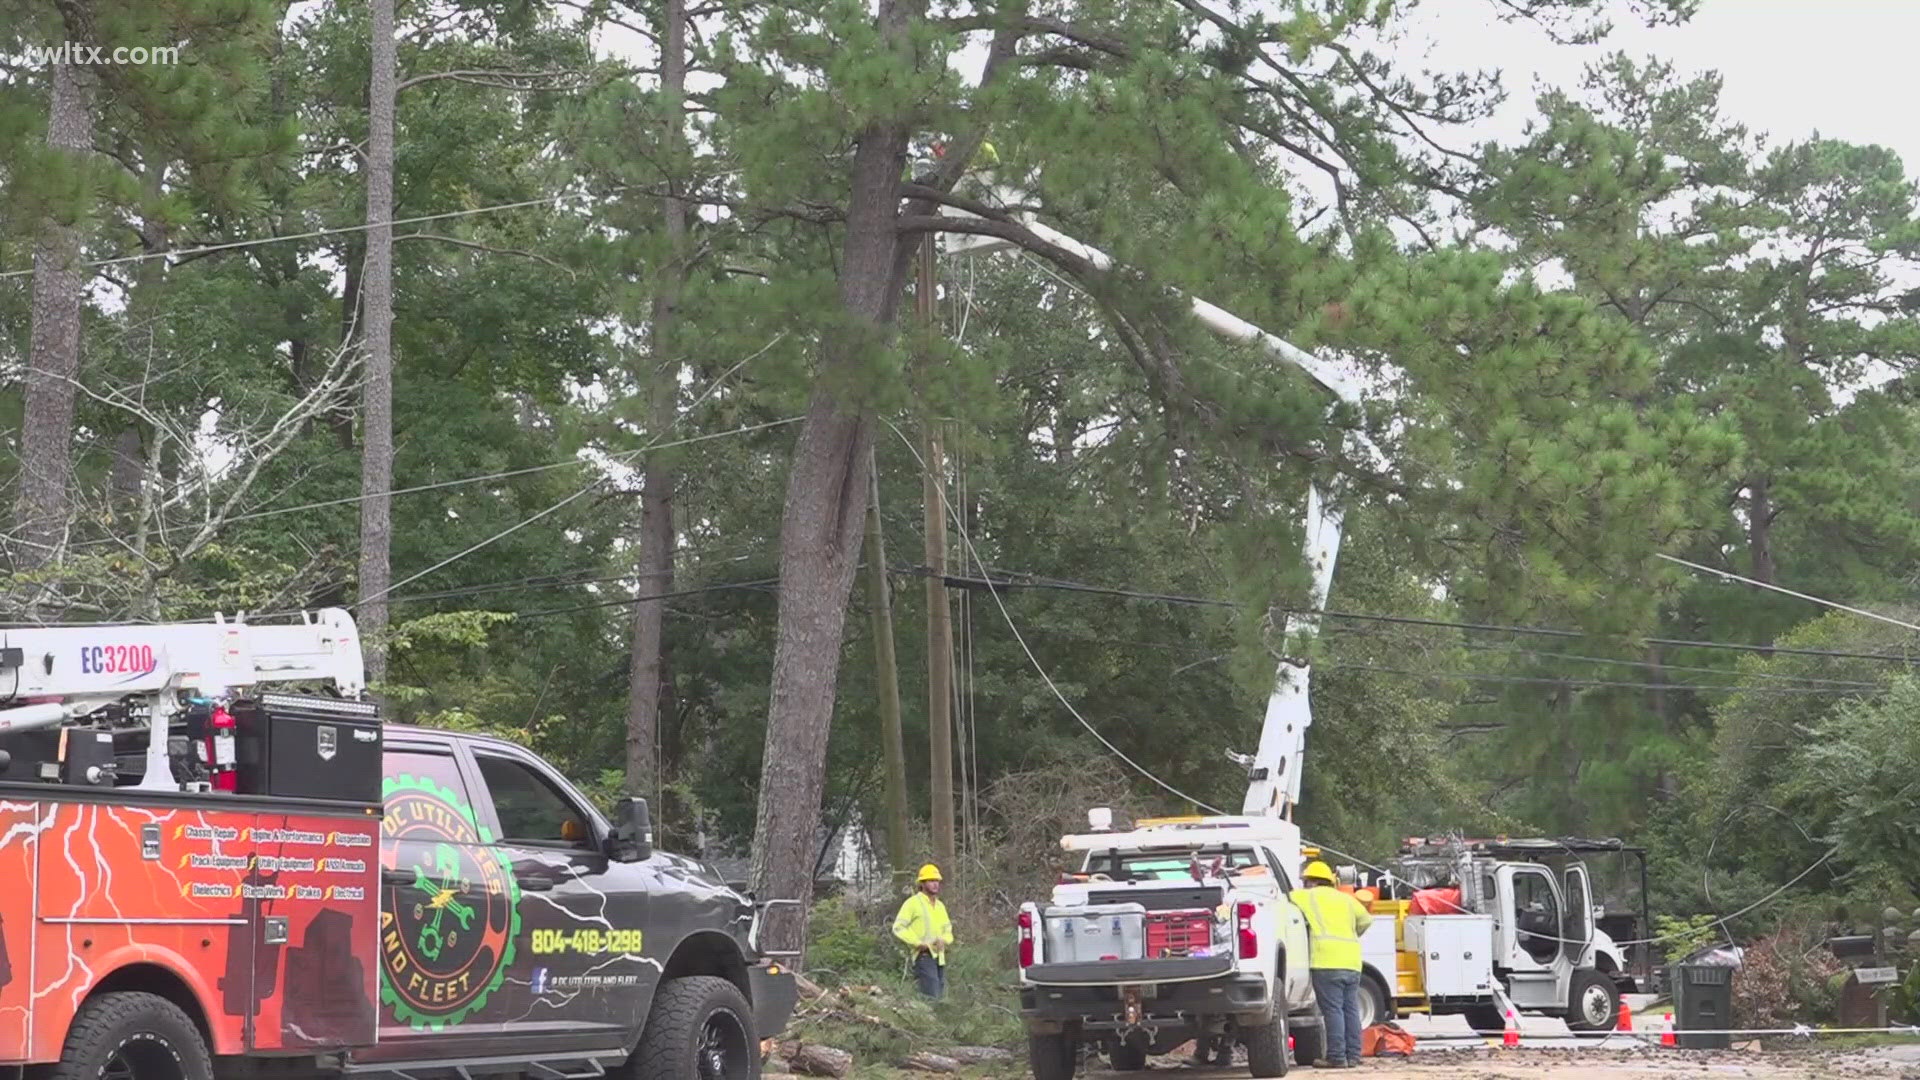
1274,769
52,674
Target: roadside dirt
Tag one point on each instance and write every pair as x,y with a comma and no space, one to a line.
1588,1064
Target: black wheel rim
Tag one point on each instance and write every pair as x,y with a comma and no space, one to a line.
143,1057
722,1052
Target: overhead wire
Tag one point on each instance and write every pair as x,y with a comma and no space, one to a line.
967,540
235,245
1809,597
712,386
1061,585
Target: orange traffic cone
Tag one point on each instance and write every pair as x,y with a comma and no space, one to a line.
1511,1037
1626,1018
1666,1037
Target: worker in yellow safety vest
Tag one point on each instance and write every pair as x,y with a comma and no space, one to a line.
925,928
1335,921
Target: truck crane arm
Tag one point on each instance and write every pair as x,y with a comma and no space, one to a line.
50,675
1274,769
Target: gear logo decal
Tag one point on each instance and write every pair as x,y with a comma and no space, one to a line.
450,910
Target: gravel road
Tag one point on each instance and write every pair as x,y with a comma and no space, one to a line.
1589,1064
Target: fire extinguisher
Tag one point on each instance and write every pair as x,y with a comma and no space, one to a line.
220,764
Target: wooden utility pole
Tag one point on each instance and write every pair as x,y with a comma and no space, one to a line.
939,624
887,673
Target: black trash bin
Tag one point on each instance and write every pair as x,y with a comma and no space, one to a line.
1702,1005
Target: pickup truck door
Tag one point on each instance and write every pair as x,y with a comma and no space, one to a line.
448,914
1297,990
579,967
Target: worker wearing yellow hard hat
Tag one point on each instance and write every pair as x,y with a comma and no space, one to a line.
1335,921
925,928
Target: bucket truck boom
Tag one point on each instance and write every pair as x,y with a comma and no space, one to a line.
1273,770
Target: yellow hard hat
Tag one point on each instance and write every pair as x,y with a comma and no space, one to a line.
928,872
1320,871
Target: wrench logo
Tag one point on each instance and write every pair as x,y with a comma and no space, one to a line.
449,914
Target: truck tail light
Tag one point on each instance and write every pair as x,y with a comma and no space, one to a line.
1026,939
1249,941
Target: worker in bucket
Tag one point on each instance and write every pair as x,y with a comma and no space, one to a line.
1335,921
924,927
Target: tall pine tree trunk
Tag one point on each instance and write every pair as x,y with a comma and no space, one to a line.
820,533
376,402
43,503
1760,514
656,492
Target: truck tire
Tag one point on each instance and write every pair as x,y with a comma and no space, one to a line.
1267,1048
1309,1038
1053,1057
700,1028
1374,1008
1593,1003
1128,1055
135,1036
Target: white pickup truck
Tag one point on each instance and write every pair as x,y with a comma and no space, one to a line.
1178,929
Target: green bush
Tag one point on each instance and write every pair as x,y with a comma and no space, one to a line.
1680,938
873,1009
845,950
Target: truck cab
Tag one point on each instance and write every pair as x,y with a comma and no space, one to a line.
517,920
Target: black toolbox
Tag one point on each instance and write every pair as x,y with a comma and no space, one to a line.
304,747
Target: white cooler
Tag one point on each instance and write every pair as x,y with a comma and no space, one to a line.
1095,932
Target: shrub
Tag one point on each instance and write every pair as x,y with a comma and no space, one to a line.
1787,978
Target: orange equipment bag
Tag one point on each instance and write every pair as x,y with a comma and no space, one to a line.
1386,1040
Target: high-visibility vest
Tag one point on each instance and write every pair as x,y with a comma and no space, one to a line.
923,920
1335,922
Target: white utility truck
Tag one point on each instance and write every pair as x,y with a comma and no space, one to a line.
1177,929
1529,932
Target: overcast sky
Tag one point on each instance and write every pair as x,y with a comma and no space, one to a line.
1791,67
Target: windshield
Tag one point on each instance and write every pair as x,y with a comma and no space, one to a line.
1165,864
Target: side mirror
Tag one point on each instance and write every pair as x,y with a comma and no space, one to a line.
632,839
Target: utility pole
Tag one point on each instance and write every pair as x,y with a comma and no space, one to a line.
887,670
939,626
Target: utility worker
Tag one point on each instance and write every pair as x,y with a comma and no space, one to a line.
1335,921
924,927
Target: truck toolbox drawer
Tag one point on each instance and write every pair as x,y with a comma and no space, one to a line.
1179,933
1095,932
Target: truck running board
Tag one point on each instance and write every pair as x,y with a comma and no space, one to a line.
573,1067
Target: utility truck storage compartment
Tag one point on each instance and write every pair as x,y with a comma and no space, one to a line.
1179,933
1456,953
1095,932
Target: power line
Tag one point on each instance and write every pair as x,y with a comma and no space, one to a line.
234,245
437,485
523,523
1544,680
1660,666
627,601
1008,580
1024,647
1809,597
